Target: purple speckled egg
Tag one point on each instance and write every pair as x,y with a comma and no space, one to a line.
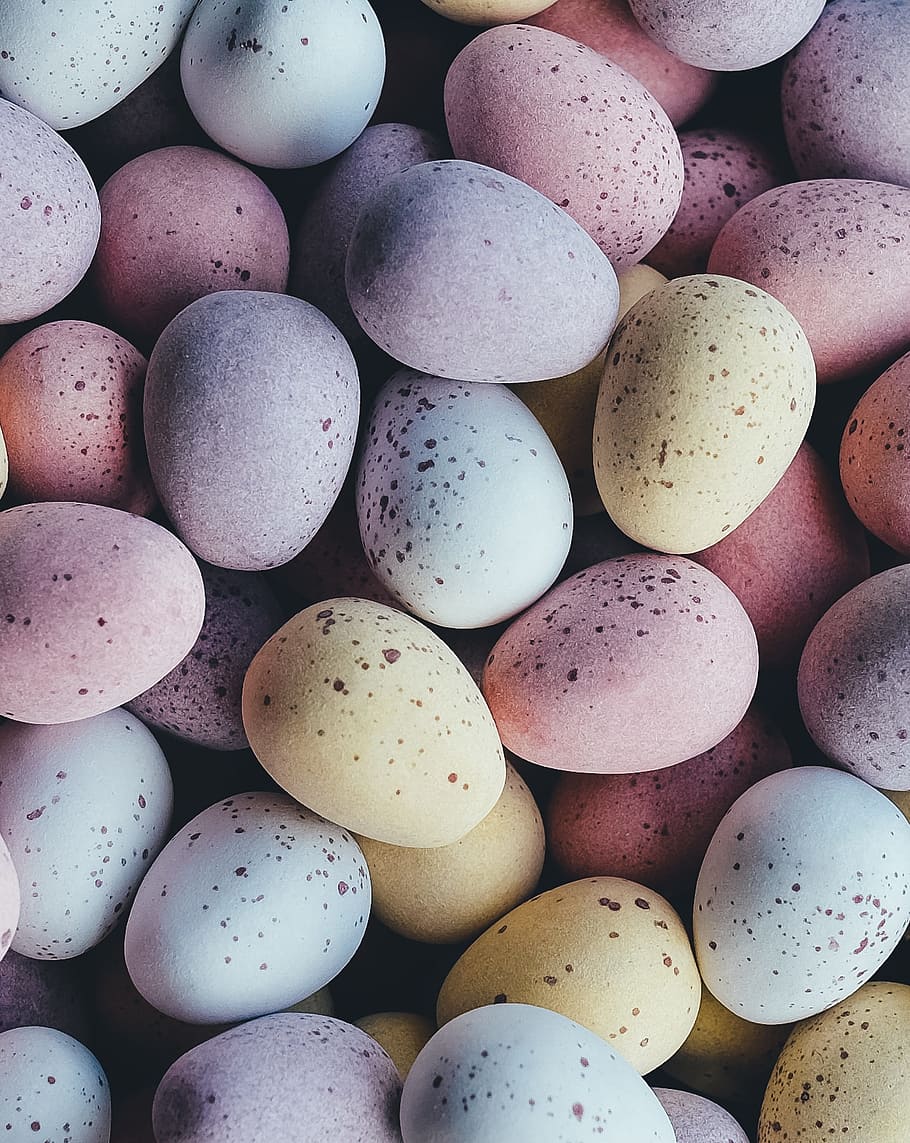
796,905
699,1120
844,94
71,411
288,1076
50,212
637,663
96,605
9,900
43,993
178,224
576,127
724,170
836,252
251,406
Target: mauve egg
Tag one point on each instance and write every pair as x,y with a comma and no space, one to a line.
96,605
576,127
698,1120
251,405
45,993
835,252
9,899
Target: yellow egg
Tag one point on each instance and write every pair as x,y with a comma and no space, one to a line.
634,283
365,716
606,952
901,799
725,1057
402,1034
487,11
320,1002
707,392
844,1074
4,465
454,892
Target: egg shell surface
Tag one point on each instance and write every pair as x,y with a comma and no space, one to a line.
486,11
44,993
401,1034
698,1120
4,465
9,899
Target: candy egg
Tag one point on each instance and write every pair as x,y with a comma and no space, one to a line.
4,465
401,1034
9,899
698,1120
486,11
44,993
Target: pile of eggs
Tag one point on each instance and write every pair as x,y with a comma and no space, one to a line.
454,618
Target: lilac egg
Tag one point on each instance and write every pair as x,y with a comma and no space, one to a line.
44,993
699,1120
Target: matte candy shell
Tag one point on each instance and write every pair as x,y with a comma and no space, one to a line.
401,1034
486,11
44,993
9,900
4,465
698,1120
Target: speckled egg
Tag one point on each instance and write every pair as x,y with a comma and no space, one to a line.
44,993
248,472
655,827
329,216
237,1087
464,272
873,470
51,217
452,893
366,716
799,551
4,465
199,700
97,605
283,85
513,1071
844,94
68,71
707,393
573,125
486,11
254,904
634,664
852,680
724,169
606,952
401,1034
834,251
49,1081
698,1120
178,224
71,407
84,808
9,899
818,909
721,35
464,508
609,27
845,1073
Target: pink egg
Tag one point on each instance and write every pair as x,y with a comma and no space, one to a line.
635,664
836,252
9,900
567,121
71,411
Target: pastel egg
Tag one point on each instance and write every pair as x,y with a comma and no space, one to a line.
706,396
4,465
98,605
818,909
834,252
464,272
401,1034
366,716
698,1120
805,524
253,905
852,689
51,216
610,672
45,993
247,473
464,508
9,899
178,224
486,11
843,94
71,407
576,127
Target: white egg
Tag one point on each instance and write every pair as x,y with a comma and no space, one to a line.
514,1071
9,899
70,66
254,904
84,808
52,1089
464,507
803,894
283,84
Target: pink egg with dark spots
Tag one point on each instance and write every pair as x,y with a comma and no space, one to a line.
9,900
576,127
71,411
635,664
836,252
699,1120
180,223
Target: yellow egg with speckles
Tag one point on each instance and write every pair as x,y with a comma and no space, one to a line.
402,1034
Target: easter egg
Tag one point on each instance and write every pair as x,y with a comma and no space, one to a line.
4,465
698,1120
401,1034
44,993
9,900
486,11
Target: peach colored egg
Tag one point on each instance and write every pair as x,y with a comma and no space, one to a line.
564,119
798,552
635,664
835,252
9,900
71,408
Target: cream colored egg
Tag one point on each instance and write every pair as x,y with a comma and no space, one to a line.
402,1034
365,716
606,952
707,392
634,283
452,893
487,11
